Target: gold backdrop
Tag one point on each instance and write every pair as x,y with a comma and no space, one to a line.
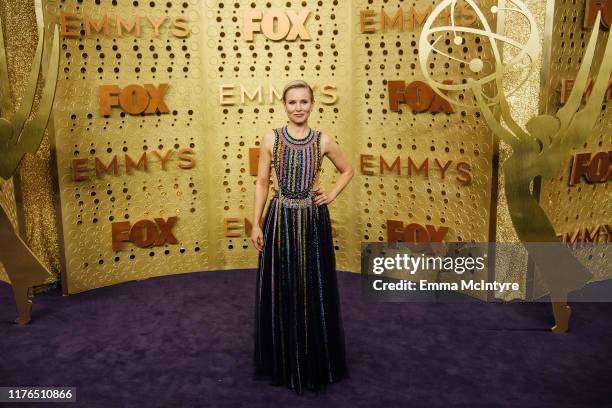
28,198
207,73
91,206
238,124
461,136
583,205
213,76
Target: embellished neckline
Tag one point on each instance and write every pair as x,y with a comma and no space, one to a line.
292,140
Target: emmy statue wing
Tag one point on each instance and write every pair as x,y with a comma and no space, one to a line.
28,98
6,105
34,130
585,119
566,113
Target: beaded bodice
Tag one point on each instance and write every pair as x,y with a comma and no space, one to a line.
296,162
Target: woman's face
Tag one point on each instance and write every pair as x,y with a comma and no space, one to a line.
298,104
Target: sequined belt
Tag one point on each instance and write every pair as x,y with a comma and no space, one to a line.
295,202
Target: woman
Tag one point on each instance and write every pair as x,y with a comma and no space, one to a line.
299,340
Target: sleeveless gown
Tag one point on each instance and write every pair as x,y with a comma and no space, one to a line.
299,338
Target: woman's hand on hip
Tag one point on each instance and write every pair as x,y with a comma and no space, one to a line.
257,237
323,198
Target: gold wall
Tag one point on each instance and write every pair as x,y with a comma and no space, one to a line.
349,70
461,136
323,61
221,99
583,205
90,207
30,206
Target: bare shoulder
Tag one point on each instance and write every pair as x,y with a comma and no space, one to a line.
267,140
327,143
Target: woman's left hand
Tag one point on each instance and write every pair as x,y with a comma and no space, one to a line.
323,198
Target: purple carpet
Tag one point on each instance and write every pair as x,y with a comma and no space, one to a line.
186,341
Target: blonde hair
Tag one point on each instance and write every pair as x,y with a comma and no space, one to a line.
298,83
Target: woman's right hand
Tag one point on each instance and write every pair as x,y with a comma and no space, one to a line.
257,237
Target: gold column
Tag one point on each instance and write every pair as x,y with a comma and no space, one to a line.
33,185
523,104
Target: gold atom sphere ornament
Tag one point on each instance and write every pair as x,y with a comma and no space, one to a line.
517,59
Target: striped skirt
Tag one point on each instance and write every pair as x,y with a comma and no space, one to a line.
299,339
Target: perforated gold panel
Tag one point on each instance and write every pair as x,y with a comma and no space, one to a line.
244,67
223,95
91,206
440,138
361,122
582,205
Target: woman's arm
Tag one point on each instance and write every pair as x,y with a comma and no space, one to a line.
330,148
262,187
